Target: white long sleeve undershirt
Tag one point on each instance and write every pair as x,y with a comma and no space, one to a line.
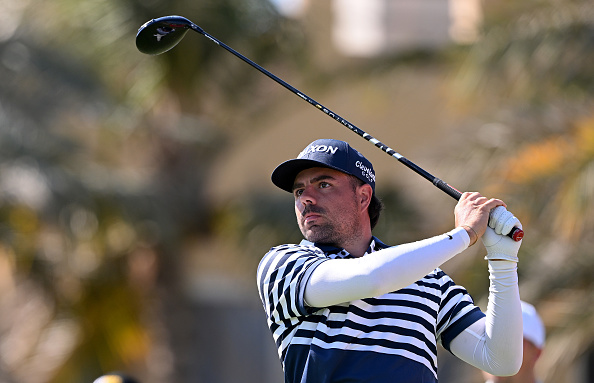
493,344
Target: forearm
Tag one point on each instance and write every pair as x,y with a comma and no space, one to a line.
495,343
343,280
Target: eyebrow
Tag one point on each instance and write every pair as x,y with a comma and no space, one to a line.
313,180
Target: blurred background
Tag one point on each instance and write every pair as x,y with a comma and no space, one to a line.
135,198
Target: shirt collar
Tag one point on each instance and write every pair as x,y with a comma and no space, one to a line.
337,252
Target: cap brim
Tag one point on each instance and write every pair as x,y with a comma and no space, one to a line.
284,174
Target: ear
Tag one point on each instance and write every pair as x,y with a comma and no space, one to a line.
364,194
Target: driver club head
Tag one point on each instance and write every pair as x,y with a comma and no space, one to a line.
160,35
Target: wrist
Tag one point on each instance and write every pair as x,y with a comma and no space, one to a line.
502,265
471,233
499,257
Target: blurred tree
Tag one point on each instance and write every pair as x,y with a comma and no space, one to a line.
103,161
104,154
532,77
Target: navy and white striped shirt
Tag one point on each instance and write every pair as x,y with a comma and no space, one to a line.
390,338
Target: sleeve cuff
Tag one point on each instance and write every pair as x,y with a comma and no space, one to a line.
303,307
460,325
460,234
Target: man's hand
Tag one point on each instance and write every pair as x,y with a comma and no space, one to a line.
498,245
503,221
473,212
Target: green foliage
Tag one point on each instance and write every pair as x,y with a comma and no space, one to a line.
534,75
103,152
105,155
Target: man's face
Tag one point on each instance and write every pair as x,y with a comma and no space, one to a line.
326,206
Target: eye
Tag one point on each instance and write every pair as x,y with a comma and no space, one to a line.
297,192
324,185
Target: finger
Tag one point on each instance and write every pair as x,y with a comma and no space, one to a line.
494,202
500,223
510,224
498,216
495,215
470,196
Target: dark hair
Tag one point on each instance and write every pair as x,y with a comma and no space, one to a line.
375,208
375,205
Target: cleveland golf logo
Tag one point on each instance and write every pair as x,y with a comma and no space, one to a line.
318,148
365,171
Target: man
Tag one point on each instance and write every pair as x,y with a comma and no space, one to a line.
344,307
534,340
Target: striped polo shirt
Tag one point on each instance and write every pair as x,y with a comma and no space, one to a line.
389,338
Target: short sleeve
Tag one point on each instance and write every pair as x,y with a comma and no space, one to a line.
282,274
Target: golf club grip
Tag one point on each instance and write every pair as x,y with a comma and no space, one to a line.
447,189
516,234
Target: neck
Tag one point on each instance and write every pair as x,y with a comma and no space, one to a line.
358,242
358,248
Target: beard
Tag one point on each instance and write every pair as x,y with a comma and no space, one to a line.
326,233
332,229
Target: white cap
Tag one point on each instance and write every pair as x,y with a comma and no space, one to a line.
534,330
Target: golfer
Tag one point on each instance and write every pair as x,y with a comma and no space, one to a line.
344,307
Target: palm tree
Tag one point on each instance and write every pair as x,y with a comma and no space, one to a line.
104,151
532,70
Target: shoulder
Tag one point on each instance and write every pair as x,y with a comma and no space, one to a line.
283,268
304,248
439,276
290,253
438,282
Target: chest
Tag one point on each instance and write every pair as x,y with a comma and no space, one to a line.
407,312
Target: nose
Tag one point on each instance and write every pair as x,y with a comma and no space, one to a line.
307,197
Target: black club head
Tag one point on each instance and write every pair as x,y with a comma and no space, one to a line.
160,35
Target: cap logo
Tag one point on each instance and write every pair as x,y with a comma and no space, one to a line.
318,148
365,171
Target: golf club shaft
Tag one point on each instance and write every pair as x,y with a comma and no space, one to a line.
516,233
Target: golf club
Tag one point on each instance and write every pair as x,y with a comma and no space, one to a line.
162,34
